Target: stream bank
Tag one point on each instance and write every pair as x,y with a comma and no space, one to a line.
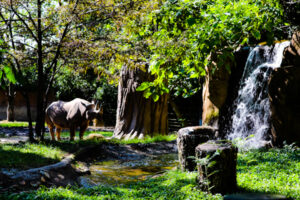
68,171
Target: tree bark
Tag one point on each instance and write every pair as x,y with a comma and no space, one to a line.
188,139
29,118
217,166
40,118
137,116
11,103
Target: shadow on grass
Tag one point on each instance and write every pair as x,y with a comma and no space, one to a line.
11,158
165,187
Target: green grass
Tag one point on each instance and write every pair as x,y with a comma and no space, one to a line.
14,124
273,171
66,134
267,171
172,185
158,138
27,155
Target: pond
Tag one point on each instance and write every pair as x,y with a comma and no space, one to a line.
114,172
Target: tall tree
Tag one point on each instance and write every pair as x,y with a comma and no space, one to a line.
48,29
137,116
34,26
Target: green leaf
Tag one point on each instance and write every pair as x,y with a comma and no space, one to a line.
256,34
191,21
155,97
147,93
9,74
143,86
245,41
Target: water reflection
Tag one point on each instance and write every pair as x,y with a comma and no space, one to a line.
115,172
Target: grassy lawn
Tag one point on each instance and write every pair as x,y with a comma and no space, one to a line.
268,171
26,155
273,171
172,185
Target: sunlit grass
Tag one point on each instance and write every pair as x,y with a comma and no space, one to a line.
273,171
27,155
146,140
267,171
171,185
66,134
14,124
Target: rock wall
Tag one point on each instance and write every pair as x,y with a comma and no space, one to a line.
284,95
214,90
221,89
20,105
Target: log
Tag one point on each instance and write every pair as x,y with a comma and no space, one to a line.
187,140
216,163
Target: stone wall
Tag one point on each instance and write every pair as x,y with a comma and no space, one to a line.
20,105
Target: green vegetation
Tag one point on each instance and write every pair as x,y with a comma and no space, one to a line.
273,171
158,138
27,155
172,185
14,124
268,171
66,134
183,37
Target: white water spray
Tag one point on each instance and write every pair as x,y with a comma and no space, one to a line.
250,120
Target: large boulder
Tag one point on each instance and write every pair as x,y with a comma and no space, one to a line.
221,87
291,55
215,88
284,95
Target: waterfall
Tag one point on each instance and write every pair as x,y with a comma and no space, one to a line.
251,119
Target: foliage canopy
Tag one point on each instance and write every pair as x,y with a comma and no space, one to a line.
181,36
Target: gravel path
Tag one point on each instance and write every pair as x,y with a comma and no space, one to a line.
17,134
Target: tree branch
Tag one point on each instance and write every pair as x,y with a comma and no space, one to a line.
23,21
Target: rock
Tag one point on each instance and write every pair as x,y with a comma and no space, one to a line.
228,108
22,182
215,88
60,176
45,173
217,166
43,179
284,95
291,55
187,140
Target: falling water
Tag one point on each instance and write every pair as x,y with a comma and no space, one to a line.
250,120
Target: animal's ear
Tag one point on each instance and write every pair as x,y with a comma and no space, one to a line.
89,106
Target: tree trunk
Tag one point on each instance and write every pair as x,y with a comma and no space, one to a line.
137,116
217,166
40,118
29,118
11,104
